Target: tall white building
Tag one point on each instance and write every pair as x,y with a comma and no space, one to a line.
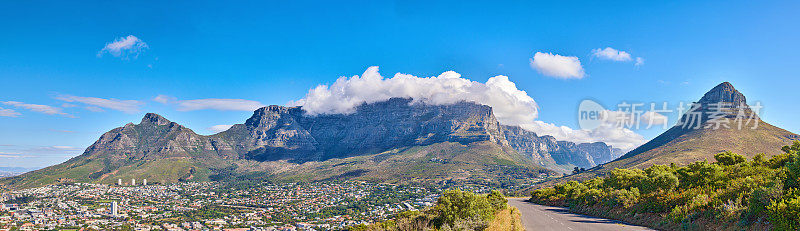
114,209
119,181
144,182
133,182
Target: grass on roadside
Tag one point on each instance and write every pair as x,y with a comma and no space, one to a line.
508,219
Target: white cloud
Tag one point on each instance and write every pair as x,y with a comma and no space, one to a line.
511,106
62,131
218,104
8,112
210,104
62,147
164,99
50,110
611,54
566,67
124,47
639,62
219,128
127,106
94,109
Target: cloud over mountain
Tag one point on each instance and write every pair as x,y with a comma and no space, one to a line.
511,105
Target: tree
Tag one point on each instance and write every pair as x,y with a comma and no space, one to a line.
455,205
729,158
625,178
497,200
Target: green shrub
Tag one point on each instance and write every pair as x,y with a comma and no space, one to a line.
455,210
700,174
729,158
625,178
497,200
455,205
731,193
623,197
785,214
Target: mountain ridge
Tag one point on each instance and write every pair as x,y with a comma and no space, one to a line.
462,139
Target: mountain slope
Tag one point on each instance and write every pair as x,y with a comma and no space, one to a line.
155,149
687,142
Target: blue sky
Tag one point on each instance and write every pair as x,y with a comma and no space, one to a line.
51,53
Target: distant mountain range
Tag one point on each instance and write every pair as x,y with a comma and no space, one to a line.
688,141
394,140
13,171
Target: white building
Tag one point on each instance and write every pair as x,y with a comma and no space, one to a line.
114,209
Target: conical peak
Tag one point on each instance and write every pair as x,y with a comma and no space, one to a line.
153,118
724,93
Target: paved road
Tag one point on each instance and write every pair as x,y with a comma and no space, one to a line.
539,217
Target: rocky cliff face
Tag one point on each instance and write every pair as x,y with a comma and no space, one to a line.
724,92
277,132
153,138
272,133
549,152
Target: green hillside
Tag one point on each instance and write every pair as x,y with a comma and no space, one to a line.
482,162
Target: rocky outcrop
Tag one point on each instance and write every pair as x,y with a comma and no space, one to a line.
549,152
272,133
724,92
153,138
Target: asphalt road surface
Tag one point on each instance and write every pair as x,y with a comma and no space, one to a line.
539,217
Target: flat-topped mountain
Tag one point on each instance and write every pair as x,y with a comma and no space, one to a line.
276,132
393,139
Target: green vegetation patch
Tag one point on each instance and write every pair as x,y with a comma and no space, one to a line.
731,194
